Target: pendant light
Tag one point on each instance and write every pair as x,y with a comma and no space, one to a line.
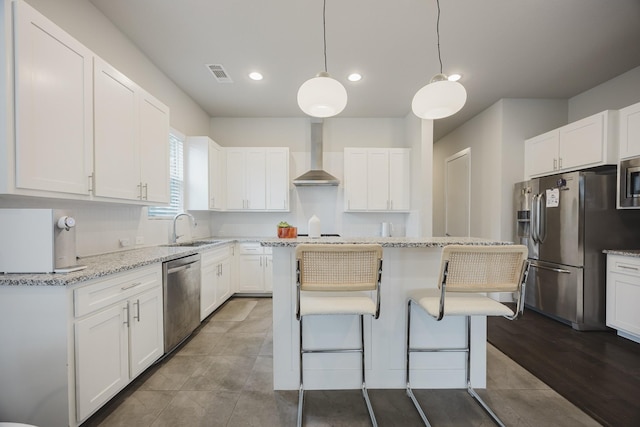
322,96
441,97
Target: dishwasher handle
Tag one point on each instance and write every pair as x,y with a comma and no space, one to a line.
180,268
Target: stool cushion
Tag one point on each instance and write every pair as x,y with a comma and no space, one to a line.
336,305
459,304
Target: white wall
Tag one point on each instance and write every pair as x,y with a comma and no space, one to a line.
496,138
325,202
614,94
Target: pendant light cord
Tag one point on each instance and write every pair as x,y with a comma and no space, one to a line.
437,34
324,32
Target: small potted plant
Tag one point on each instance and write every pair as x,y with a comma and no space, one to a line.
287,231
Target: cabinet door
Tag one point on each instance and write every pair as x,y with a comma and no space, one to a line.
235,197
117,154
255,185
399,179
623,292
215,176
53,106
582,143
154,149
223,289
101,342
277,178
629,131
146,339
541,154
268,273
378,179
355,179
250,272
208,285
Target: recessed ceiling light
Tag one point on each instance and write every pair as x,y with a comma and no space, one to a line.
255,76
454,77
354,77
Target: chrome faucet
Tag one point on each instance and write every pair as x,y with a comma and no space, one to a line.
174,236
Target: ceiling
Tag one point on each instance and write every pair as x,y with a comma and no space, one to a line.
503,49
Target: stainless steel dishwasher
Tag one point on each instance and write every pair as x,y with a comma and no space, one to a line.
181,287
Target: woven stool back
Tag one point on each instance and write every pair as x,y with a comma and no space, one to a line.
341,267
483,268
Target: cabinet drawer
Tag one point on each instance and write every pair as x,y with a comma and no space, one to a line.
251,248
214,255
101,293
624,265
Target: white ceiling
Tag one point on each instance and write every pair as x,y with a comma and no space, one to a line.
503,48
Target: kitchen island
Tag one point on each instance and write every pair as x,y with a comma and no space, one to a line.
408,264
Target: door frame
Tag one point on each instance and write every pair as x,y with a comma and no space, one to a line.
462,153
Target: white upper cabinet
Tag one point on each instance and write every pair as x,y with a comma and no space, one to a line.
355,179
204,174
582,144
131,139
154,149
377,179
83,130
257,179
629,131
53,106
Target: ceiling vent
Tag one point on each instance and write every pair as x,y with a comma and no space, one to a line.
219,73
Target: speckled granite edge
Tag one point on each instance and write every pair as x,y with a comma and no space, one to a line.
624,252
117,262
386,242
107,264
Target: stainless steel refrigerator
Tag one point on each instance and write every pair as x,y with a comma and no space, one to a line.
567,220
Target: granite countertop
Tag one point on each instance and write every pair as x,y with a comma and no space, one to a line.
115,262
386,242
626,252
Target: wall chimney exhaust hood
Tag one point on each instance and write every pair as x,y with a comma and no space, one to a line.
316,176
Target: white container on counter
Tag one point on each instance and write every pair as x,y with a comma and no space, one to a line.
314,227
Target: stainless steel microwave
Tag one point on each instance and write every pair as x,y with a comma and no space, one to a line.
629,183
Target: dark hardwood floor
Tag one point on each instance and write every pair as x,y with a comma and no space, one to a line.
598,372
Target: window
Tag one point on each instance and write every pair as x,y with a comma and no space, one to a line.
176,179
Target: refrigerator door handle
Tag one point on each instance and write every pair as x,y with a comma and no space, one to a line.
544,267
542,218
534,218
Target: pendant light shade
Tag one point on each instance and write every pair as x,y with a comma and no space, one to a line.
322,96
440,98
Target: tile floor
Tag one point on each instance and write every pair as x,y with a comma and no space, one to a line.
222,376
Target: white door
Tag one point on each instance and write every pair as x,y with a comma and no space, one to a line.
154,149
146,330
458,194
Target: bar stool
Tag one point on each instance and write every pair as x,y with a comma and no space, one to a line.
466,274
324,272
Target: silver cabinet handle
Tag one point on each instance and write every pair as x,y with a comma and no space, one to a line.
557,270
126,315
146,191
625,267
133,285
559,162
555,164
137,315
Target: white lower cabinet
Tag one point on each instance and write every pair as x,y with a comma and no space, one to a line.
623,294
255,270
216,278
118,334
